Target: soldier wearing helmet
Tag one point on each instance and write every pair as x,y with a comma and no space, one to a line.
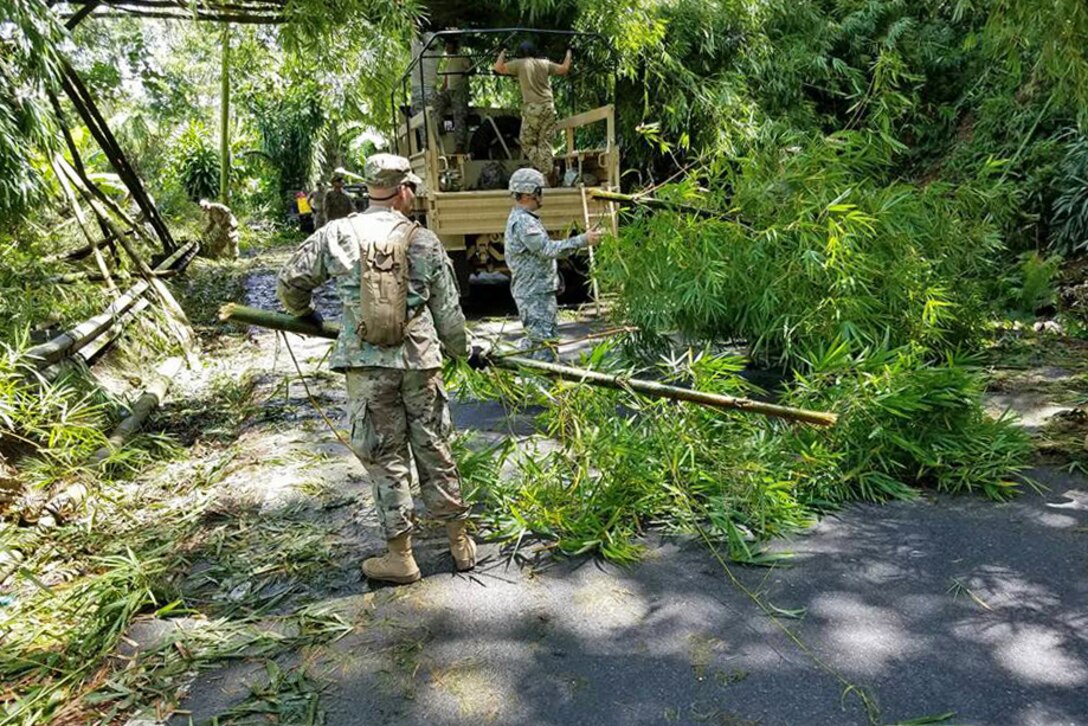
531,255
398,407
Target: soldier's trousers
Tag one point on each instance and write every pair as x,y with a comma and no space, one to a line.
398,416
454,101
220,243
540,319
538,127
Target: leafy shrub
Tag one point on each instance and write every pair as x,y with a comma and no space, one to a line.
197,163
1033,286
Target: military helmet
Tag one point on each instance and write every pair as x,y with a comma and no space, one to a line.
527,181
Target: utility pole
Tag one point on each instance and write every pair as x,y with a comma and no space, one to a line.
224,120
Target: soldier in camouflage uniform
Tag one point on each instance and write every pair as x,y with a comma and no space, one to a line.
454,96
338,203
531,256
399,409
538,122
220,237
317,203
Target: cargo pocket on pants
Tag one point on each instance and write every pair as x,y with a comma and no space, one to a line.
443,421
363,439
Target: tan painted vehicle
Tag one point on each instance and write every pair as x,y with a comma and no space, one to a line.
465,199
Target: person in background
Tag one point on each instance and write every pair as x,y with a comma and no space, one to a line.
220,237
305,214
538,120
531,255
424,78
317,203
454,97
338,203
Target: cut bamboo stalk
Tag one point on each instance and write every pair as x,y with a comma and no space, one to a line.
73,340
71,277
281,321
629,200
179,326
68,502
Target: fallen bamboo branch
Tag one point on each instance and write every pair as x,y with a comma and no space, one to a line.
72,340
280,321
64,505
177,321
630,200
70,195
72,277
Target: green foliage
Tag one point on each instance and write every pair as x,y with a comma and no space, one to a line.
905,421
1034,287
29,34
197,163
287,120
819,248
624,464
62,423
1071,205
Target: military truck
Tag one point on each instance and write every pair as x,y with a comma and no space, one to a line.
465,199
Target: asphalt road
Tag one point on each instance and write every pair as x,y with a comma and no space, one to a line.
942,605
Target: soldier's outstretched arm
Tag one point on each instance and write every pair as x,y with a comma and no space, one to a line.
444,302
303,273
536,239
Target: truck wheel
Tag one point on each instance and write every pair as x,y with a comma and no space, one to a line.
574,272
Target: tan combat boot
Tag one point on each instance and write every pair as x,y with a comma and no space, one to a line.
397,565
462,547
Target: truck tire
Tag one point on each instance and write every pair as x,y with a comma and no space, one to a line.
574,272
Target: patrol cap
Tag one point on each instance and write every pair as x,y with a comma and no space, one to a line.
527,181
385,171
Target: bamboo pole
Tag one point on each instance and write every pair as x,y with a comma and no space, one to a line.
73,340
87,109
629,200
224,119
65,504
592,259
279,321
77,209
68,278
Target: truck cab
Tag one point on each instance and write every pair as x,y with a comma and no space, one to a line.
464,199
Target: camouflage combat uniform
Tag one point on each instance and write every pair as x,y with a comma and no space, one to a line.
220,237
454,100
538,122
531,255
338,204
398,406
538,128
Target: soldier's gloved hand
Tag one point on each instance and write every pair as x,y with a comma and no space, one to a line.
313,317
479,358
